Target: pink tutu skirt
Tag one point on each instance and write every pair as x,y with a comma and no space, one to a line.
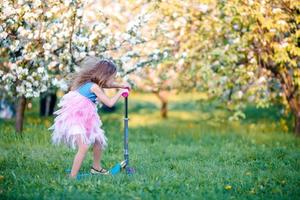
77,116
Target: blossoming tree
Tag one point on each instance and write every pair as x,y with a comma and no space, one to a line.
41,43
256,55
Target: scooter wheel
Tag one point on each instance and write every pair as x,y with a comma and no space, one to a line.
130,170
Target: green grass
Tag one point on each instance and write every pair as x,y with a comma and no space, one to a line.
194,154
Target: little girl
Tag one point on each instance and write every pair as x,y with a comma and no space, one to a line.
78,123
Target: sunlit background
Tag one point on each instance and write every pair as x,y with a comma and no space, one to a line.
214,108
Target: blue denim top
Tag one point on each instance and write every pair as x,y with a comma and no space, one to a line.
85,91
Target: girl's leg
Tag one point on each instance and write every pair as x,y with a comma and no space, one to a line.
82,149
97,155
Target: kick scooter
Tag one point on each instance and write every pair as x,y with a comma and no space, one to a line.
125,163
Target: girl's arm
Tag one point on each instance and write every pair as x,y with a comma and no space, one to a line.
118,85
105,99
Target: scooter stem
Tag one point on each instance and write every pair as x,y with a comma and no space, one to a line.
126,154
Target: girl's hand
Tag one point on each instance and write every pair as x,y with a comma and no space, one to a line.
123,91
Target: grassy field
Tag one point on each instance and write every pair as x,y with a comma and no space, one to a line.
194,154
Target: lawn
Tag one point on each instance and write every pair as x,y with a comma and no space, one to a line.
194,154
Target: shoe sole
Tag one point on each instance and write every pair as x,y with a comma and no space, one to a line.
96,172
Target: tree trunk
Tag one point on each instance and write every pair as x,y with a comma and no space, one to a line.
162,95
47,104
295,107
297,125
164,110
21,104
292,96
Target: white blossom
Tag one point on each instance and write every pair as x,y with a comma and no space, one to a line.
276,10
35,83
79,12
126,36
236,40
63,85
3,35
203,8
251,74
165,54
82,54
133,41
44,88
48,14
28,84
236,27
36,94
261,79
283,44
239,94
250,2
40,70
55,9
100,26
47,46
8,11
281,22
175,14
181,62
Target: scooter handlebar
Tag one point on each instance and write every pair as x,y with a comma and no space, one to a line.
125,94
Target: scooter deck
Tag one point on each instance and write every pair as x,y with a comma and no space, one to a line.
113,171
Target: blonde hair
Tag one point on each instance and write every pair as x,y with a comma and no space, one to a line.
94,70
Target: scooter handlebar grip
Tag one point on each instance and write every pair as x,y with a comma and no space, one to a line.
125,94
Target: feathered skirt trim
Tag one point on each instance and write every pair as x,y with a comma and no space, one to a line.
77,116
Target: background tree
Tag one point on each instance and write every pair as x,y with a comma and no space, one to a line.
256,54
239,52
160,81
